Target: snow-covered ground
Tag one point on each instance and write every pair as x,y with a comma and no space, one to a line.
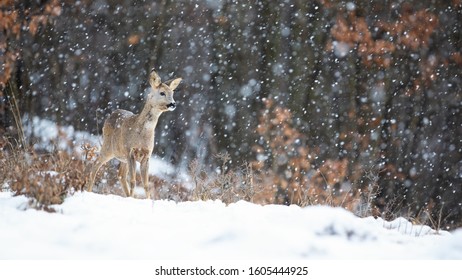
89,225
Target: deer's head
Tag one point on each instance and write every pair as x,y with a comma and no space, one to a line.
161,95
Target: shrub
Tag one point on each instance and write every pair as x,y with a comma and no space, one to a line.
224,184
46,178
285,162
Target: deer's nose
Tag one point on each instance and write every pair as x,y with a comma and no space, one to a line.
171,106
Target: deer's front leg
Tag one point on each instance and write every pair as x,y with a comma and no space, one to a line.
132,171
123,171
144,166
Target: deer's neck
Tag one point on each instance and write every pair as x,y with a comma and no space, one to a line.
149,116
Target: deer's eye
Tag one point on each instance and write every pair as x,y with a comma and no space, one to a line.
162,93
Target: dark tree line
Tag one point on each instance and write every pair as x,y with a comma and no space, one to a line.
376,84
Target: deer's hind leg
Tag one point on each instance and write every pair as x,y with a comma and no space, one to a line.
144,167
132,171
102,159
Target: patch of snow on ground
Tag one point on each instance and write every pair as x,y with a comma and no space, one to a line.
90,225
52,136
160,167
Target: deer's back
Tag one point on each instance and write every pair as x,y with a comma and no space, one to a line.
117,118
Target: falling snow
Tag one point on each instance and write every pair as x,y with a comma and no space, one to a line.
367,92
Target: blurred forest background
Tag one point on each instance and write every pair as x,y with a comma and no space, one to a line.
324,100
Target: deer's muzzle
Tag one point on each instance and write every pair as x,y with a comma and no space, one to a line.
171,106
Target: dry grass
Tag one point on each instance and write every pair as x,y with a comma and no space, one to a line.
224,184
46,178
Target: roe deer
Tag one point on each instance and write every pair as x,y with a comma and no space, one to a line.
130,138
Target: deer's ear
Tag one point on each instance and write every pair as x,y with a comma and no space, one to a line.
154,79
173,84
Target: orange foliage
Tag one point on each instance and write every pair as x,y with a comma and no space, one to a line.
412,30
11,25
134,39
457,58
354,31
285,164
